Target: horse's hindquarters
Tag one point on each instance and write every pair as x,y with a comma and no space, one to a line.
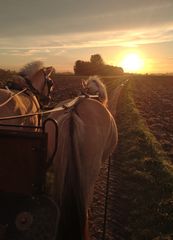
94,138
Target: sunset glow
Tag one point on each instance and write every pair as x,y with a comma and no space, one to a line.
132,62
139,40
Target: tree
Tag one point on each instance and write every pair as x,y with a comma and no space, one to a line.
96,59
96,66
82,68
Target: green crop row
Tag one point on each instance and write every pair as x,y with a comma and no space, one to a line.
148,175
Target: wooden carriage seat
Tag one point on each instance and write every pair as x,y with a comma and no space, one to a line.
22,161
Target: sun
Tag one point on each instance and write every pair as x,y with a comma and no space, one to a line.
132,62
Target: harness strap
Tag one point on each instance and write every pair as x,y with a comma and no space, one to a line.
35,100
39,94
30,94
67,106
12,96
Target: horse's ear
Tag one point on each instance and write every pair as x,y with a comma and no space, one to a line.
49,70
84,83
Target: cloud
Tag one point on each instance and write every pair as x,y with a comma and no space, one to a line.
46,45
43,17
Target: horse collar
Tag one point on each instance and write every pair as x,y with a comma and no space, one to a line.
34,91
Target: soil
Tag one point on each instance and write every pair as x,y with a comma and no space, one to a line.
154,99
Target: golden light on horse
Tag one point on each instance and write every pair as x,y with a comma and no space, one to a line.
25,94
87,134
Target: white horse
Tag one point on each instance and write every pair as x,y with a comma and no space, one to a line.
87,134
33,87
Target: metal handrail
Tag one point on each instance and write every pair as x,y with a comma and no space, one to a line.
50,160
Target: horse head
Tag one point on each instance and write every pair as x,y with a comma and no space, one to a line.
38,80
94,86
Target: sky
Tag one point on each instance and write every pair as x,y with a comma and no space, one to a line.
60,32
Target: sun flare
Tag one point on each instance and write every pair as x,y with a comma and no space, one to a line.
132,62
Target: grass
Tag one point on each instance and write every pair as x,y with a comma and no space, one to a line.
148,175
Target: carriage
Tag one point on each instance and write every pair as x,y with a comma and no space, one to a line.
26,210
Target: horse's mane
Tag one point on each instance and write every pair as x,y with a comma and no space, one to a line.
18,81
94,85
30,69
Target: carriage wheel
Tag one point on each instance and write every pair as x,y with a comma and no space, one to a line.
37,219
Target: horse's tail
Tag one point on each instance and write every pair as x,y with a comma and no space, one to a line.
73,209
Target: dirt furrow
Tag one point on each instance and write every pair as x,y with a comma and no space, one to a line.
154,99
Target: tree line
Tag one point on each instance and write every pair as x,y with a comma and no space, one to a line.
96,66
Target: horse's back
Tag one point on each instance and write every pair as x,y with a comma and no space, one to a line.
99,126
93,112
96,121
15,105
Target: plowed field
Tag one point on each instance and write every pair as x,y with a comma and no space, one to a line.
154,99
